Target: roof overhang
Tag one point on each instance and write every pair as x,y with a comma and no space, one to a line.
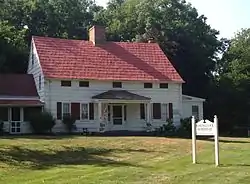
192,98
19,102
120,96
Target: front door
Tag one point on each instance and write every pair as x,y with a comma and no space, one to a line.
117,115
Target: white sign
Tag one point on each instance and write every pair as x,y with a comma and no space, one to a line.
205,128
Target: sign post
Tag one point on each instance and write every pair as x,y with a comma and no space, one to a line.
205,128
194,140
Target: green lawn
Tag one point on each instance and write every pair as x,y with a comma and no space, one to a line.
114,160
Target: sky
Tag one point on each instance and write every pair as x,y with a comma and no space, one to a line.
226,16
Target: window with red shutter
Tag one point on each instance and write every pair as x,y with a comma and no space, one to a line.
156,111
75,110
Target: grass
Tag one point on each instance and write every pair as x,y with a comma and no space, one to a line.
115,160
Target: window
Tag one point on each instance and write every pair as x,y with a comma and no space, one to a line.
83,83
84,111
39,82
164,111
65,109
66,83
156,111
125,113
195,111
164,85
4,113
15,127
142,110
148,85
117,85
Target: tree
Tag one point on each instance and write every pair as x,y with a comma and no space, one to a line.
13,49
184,36
54,18
234,80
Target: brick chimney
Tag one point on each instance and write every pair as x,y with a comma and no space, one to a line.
97,35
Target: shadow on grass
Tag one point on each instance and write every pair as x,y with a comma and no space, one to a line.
227,141
225,165
42,159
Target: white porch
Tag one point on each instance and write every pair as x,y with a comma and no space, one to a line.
16,117
114,116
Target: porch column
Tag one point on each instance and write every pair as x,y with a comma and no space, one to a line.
148,112
99,111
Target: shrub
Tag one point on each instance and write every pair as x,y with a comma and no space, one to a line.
167,129
42,122
69,122
185,128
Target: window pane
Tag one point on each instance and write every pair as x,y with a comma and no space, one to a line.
142,111
157,111
4,113
195,111
15,114
84,84
18,130
13,129
117,84
65,83
148,85
66,108
85,114
163,85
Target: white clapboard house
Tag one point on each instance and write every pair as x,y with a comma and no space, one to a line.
106,86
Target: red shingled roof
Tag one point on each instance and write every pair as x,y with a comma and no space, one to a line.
79,59
17,85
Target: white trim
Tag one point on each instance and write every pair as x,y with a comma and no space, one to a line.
192,98
120,101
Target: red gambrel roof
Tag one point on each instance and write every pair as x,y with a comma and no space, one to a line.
21,85
79,59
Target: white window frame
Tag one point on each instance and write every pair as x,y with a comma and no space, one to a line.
63,108
81,104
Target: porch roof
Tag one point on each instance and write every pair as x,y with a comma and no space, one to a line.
120,95
12,102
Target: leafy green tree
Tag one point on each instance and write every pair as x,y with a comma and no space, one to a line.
234,81
184,36
13,49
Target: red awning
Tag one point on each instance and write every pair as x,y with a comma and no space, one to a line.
21,102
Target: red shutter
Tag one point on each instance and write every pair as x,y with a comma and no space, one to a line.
91,111
75,110
170,110
59,110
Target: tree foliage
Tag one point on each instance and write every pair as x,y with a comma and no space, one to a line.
234,81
